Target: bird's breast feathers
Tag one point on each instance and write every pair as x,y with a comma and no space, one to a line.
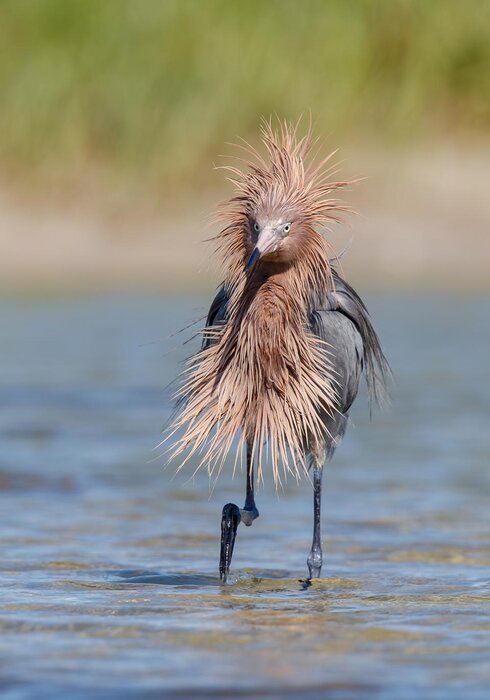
265,377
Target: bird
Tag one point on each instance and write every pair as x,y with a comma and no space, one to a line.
286,339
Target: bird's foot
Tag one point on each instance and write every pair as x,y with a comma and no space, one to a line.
314,562
230,519
315,571
305,583
248,515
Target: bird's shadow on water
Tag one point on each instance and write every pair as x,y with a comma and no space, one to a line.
196,579
170,578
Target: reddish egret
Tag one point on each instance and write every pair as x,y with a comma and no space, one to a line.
286,338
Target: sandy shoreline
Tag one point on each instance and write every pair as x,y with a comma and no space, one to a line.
424,221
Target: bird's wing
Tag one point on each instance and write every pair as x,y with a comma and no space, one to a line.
344,301
345,352
216,314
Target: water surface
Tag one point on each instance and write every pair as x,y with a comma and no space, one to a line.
109,583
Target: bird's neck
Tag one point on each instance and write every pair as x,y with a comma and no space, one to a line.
271,301
268,326
288,292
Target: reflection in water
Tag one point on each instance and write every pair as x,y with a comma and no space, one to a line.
109,566
170,579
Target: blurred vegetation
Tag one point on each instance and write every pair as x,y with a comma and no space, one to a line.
150,89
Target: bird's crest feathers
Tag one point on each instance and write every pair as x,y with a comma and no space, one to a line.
287,178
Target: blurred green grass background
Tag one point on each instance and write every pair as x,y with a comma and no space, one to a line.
113,112
149,91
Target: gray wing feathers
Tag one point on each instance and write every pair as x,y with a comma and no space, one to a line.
216,315
345,349
346,357
376,368
345,325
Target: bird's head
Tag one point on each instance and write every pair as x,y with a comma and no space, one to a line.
282,200
270,240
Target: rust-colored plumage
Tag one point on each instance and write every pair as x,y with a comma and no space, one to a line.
286,338
262,373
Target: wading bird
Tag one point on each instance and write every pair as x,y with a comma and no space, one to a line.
286,338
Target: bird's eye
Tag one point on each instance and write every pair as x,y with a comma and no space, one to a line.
256,227
286,228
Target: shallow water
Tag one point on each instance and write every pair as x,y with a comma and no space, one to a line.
109,582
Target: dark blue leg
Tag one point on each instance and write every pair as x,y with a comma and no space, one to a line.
315,558
249,511
232,516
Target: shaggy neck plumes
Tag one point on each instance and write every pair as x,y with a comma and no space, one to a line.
260,376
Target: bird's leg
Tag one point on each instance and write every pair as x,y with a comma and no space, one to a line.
315,558
232,516
249,511
230,519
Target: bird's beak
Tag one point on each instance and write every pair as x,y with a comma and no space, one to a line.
266,242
